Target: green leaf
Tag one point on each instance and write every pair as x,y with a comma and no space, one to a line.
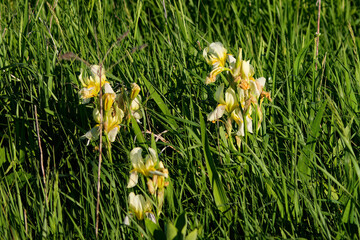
307,153
192,235
171,231
300,57
154,230
216,184
157,98
138,134
181,224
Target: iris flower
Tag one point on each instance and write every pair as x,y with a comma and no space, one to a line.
139,207
112,119
226,104
216,56
91,85
146,167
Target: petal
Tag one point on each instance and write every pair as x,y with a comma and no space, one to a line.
136,114
217,113
135,89
108,88
153,154
126,221
254,90
136,205
249,124
96,115
231,61
136,158
245,68
230,99
112,133
133,179
151,217
135,104
97,70
93,134
237,116
241,93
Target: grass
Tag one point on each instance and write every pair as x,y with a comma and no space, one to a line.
299,175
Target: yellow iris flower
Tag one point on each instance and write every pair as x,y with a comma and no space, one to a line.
91,85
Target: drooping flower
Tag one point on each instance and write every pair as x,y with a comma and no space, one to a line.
216,56
139,207
91,84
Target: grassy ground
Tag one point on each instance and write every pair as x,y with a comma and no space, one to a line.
298,177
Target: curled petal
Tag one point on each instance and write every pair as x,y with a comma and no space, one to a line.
135,89
213,74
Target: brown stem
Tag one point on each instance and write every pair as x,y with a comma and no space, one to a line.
100,158
41,154
318,31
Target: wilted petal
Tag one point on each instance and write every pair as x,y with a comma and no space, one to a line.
249,127
133,180
93,134
135,89
151,217
217,113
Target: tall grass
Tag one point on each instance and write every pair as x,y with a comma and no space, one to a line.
298,177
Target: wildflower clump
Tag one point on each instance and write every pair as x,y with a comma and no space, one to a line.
240,98
117,108
155,173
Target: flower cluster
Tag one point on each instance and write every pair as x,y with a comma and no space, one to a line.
243,96
156,178
116,107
